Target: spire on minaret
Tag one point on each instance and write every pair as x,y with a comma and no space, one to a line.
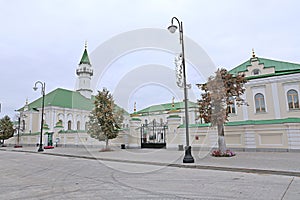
85,57
84,72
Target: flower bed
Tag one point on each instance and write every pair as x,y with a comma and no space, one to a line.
227,153
48,147
105,150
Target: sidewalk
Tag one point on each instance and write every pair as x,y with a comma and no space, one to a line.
281,163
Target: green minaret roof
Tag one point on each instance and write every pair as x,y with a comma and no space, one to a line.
85,57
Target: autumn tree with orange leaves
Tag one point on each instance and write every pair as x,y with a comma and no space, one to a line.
221,90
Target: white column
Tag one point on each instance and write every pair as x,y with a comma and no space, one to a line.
245,109
275,100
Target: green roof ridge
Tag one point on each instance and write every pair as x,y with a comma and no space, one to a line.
136,119
265,121
250,122
173,116
65,99
280,66
166,107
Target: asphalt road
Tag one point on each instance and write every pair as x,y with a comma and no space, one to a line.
39,176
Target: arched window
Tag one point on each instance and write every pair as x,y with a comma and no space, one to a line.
260,103
293,99
255,72
231,107
69,125
78,125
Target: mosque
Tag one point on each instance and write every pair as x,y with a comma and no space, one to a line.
270,122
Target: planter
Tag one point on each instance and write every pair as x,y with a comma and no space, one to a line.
48,147
227,153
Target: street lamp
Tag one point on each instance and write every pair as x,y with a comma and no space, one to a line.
18,129
18,138
43,103
188,158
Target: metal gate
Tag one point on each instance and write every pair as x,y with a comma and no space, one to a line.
153,135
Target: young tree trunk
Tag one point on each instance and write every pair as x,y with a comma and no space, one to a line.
106,142
221,138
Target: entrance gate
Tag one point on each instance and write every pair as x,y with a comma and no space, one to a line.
153,135
50,138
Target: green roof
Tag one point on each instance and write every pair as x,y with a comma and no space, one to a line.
85,58
174,116
281,67
195,125
262,122
35,133
136,119
65,99
166,107
71,131
250,122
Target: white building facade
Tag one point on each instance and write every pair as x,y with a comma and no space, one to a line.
270,122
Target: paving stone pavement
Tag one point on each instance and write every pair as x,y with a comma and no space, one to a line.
87,173
280,163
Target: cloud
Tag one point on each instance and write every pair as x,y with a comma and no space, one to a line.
43,40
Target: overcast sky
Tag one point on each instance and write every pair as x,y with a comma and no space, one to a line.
44,39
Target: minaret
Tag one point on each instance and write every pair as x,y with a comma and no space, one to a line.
26,107
84,72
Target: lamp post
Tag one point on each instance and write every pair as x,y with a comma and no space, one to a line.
18,137
188,158
43,103
18,129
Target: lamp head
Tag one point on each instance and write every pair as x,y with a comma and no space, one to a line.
172,28
35,88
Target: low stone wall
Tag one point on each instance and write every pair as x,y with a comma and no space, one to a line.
267,137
